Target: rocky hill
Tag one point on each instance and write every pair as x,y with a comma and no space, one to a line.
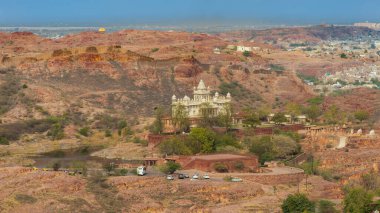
129,73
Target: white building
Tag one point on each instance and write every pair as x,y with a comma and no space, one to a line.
243,48
203,100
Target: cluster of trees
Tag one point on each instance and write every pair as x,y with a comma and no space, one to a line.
299,203
358,198
359,194
200,140
269,148
331,115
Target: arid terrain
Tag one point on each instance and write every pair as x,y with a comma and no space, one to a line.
103,90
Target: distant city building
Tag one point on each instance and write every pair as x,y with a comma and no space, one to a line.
217,51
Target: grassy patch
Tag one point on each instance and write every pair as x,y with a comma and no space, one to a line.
105,194
25,199
8,93
13,131
277,68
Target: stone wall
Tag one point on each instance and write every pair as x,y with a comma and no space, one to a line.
275,179
251,163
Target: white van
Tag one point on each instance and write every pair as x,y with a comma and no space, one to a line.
141,170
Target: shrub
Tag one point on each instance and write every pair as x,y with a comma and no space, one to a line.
227,178
361,115
325,206
343,55
85,131
109,167
123,172
239,165
297,203
155,49
91,50
107,133
277,68
247,53
56,166
56,132
220,167
4,141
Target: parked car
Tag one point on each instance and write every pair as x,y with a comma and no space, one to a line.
235,179
181,176
186,175
206,176
169,177
195,176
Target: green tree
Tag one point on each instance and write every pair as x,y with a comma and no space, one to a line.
297,203
313,112
170,167
224,140
157,126
279,118
284,146
180,118
252,119
262,147
343,55
357,200
334,115
263,113
361,115
293,109
205,138
174,146
225,117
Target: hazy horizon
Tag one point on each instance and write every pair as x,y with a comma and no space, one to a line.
190,13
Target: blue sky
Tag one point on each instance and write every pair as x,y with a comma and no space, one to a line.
175,12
